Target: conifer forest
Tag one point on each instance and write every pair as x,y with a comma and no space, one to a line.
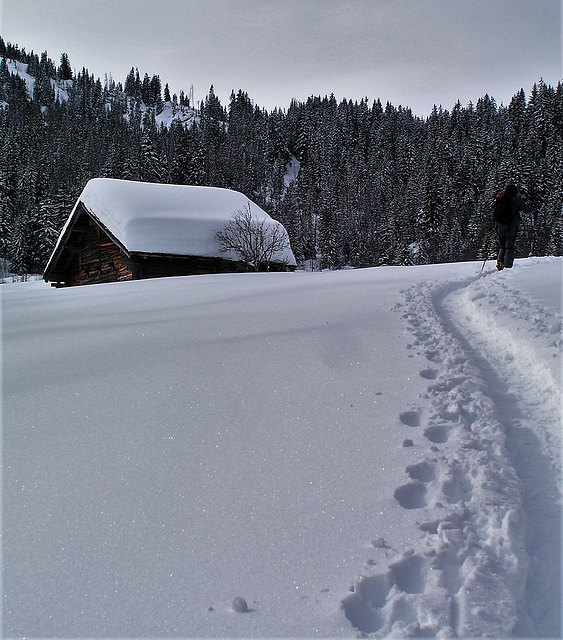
372,183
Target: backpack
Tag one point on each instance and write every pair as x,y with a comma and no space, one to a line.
503,209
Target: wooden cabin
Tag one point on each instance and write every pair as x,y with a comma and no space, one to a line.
122,230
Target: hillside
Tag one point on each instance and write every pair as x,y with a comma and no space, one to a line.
371,451
376,185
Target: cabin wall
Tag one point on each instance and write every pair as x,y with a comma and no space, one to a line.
99,260
165,266
155,266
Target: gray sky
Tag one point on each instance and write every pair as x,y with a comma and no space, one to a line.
411,52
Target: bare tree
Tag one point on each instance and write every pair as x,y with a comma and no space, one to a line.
255,241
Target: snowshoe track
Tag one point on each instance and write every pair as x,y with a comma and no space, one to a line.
489,441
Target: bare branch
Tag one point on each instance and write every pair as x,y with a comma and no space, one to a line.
254,241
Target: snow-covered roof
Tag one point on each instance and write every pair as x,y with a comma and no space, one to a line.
163,218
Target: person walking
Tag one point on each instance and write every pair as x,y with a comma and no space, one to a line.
506,220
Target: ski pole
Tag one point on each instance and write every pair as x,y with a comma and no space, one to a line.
533,242
491,237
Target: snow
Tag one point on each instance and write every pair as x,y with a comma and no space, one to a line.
291,171
21,69
168,219
172,112
228,455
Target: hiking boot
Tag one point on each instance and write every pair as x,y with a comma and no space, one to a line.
500,266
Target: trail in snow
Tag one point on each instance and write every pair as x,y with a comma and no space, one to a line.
511,337
488,488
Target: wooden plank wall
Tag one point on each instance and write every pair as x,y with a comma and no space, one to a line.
164,266
101,260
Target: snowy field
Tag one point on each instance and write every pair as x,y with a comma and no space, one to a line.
358,452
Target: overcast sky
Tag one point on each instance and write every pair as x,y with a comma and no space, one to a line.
410,52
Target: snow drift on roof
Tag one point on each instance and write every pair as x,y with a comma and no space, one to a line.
168,219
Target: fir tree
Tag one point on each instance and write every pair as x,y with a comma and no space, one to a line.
65,70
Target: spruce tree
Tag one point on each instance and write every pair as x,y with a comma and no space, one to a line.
65,70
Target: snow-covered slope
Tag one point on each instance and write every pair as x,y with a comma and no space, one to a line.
60,87
171,111
359,452
20,69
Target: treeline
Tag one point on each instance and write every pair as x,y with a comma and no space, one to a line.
376,184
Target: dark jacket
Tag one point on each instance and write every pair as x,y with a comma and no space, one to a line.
518,205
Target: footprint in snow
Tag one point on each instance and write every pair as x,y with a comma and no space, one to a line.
458,486
379,600
409,574
423,471
437,433
429,374
363,607
411,495
410,418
